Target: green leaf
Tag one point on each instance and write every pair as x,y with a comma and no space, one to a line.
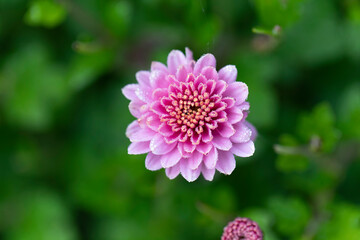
258,72
276,12
85,68
349,112
343,224
117,16
32,87
311,39
320,123
47,13
291,215
292,162
42,216
353,10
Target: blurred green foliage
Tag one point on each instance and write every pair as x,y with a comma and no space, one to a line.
64,169
47,13
344,223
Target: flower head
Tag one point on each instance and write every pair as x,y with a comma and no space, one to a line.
242,229
190,117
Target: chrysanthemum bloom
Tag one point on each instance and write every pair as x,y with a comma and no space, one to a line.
242,229
190,117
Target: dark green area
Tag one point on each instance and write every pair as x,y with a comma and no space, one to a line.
64,169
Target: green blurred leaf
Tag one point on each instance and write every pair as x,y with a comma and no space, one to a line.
85,68
120,229
32,87
317,36
343,224
352,30
349,111
311,181
43,216
320,123
291,215
258,72
117,16
291,162
206,33
353,10
47,13
276,12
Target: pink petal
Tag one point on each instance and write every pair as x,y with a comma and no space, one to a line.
204,61
165,130
207,135
211,158
171,158
135,108
173,138
220,87
189,174
138,148
244,106
195,138
158,108
153,122
242,134
222,117
159,93
210,73
158,66
238,90
175,59
158,145
208,173
195,160
229,101
221,143
142,119
225,129
189,147
132,128
173,172
152,162
234,114
226,163
204,148
180,147
142,135
189,54
143,77
210,86
190,78
186,155
144,93
228,73
158,79
254,133
181,74
221,105
246,149
129,91
200,80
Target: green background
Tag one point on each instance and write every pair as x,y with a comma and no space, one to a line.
64,169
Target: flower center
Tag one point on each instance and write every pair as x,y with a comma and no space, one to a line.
190,110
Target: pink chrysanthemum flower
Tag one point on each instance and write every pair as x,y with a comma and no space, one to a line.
242,229
190,118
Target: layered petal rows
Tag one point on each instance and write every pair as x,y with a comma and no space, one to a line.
190,117
242,228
